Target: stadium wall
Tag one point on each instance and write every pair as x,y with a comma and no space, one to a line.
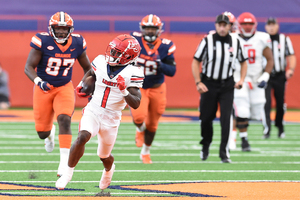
181,90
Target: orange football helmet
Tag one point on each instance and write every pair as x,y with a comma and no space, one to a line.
122,50
247,24
151,21
60,19
232,20
230,16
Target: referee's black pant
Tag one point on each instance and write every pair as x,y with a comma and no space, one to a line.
222,93
277,83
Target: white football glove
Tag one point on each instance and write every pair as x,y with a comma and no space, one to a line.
263,80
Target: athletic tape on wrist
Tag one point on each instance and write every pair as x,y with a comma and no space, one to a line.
37,80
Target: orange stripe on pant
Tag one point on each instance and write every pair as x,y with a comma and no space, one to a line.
152,106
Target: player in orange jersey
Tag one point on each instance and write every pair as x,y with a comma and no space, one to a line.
157,60
49,65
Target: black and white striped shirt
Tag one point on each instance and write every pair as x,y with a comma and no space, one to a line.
281,47
218,55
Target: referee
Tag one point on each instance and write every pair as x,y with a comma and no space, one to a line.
217,53
282,52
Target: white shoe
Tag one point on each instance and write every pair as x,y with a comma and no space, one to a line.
61,170
106,177
49,143
62,182
232,144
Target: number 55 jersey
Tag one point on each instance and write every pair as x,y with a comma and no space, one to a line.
57,61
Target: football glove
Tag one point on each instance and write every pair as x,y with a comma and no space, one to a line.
44,85
79,93
263,80
122,86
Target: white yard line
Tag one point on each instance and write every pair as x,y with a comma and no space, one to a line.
160,171
233,154
156,162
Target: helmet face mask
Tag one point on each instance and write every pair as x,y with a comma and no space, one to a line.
60,27
247,24
151,27
123,50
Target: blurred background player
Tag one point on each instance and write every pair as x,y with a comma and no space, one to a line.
249,101
117,84
283,51
157,60
232,20
4,89
49,65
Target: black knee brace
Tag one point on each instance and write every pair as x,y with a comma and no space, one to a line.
244,122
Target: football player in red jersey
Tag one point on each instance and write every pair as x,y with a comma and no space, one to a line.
49,65
157,60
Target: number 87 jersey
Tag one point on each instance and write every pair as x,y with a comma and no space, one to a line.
57,60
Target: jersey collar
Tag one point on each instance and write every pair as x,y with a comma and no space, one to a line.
156,44
64,48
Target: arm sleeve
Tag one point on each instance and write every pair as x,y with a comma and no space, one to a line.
267,41
201,49
168,67
137,78
242,56
289,50
36,42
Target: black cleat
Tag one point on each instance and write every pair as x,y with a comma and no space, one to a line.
226,160
245,144
281,133
266,136
204,152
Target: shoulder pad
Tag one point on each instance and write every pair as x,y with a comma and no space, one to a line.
166,41
75,35
137,34
44,33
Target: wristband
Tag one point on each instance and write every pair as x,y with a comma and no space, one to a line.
37,80
80,84
125,92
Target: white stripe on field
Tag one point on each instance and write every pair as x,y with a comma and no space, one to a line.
156,162
159,147
161,171
295,154
161,142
